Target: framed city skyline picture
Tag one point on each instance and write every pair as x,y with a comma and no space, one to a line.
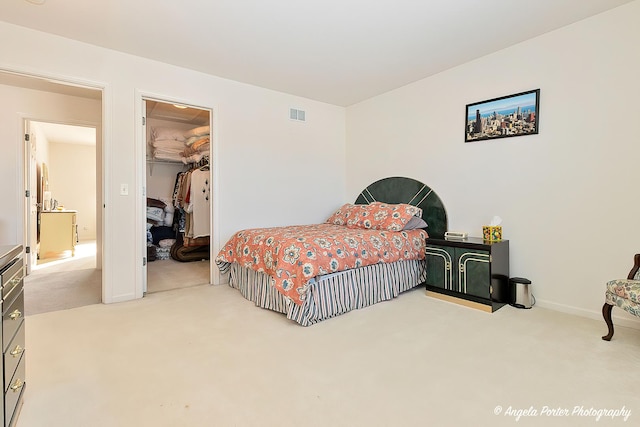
512,115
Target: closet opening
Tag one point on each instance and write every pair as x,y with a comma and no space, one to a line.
178,195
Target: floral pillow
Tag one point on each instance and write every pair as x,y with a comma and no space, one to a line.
375,216
339,217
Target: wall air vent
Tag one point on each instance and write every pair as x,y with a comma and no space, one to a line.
297,115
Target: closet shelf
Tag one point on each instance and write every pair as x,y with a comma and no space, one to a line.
151,162
173,162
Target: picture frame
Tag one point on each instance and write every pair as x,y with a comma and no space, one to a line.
503,117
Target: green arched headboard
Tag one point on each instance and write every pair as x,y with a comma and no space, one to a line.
412,192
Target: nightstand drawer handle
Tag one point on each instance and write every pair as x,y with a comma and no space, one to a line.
17,385
17,351
15,314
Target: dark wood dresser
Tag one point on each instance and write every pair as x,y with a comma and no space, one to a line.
13,338
471,271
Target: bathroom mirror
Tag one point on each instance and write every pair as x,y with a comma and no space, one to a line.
44,188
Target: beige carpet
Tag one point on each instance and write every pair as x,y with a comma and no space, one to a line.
164,275
61,290
205,356
68,282
64,282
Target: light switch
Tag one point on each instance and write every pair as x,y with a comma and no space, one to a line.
124,189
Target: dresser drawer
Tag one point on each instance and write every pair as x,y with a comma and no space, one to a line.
13,355
12,319
11,278
14,393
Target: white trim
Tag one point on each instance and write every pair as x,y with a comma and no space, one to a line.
107,287
215,275
22,181
55,78
140,184
214,240
627,321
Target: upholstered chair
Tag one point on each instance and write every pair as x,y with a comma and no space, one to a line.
624,294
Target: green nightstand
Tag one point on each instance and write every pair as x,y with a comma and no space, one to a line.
472,272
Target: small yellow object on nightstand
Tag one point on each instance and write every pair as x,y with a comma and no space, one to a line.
492,233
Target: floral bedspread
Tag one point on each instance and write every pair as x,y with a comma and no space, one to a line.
294,255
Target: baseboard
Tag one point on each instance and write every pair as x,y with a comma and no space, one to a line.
460,301
120,298
627,320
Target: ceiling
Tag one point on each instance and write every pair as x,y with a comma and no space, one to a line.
177,113
65,134
11,79
336,51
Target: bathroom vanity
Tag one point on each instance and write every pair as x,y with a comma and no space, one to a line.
57,233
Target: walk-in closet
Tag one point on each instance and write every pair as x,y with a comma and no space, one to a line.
178,195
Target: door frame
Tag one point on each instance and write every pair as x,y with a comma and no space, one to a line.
141,185
31,185
103,162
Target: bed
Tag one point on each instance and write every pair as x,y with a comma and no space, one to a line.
365,253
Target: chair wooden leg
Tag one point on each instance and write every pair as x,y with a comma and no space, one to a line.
606,313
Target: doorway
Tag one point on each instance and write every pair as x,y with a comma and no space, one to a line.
50,281
64,190
178,227
63,261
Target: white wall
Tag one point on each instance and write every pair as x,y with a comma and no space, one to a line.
42,144
72,180
266,166
568,196
161,179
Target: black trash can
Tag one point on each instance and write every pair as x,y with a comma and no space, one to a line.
521,296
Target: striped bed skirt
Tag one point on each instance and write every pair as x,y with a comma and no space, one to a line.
333,294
